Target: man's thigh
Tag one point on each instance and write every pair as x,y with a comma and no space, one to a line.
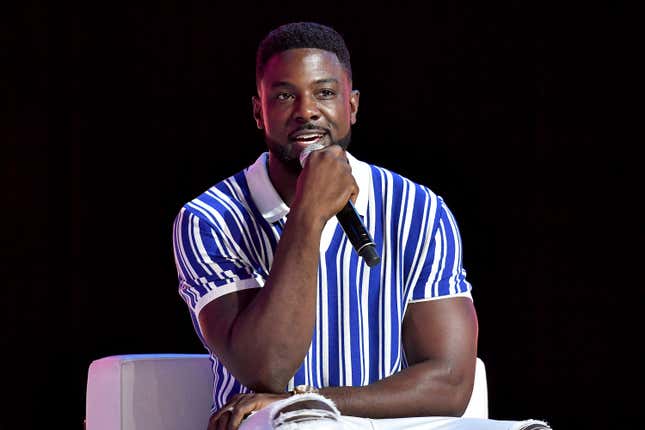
314,412
447,423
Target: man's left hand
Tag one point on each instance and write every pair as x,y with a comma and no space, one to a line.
232,413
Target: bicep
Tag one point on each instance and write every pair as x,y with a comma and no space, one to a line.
442,330
442,273
216,280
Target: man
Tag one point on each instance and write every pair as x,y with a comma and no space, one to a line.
281,299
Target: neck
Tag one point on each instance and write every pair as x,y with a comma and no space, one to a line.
283,179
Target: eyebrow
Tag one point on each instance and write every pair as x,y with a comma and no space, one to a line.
317,82
327,81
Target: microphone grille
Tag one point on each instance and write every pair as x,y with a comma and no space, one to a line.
308,150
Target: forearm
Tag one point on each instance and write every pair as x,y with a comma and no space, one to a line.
270,337
424,389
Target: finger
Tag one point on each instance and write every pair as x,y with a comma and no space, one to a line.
241,410
230,405
214,419
355,192
212,424
237,397
224,409
251,404
336,149
223,421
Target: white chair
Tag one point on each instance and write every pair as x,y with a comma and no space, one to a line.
173,392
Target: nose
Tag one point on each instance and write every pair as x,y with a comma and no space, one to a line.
306,109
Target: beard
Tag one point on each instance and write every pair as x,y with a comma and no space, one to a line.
344,142
290,160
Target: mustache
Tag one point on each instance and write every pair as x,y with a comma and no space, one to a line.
309,127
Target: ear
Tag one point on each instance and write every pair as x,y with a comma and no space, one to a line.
257,112
354,97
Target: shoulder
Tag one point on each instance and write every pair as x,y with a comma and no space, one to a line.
396,185
220,202
405,202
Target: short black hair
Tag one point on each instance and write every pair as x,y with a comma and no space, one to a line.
301,35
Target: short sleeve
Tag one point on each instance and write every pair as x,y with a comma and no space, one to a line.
209,263
442,274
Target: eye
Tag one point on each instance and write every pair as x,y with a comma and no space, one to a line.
326,93
283,96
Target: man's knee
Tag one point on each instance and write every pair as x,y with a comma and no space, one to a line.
536,426
307,414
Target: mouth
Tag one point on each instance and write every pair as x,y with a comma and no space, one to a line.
307,137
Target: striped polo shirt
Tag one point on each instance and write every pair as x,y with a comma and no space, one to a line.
224,241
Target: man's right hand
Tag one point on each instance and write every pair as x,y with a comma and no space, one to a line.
326,183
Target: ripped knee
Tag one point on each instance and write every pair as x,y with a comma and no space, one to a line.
309,411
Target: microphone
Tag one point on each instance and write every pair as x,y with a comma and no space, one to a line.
350,221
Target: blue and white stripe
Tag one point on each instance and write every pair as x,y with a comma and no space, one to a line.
224,241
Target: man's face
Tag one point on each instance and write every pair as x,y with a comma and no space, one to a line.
304,97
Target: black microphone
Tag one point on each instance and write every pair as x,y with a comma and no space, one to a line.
350,221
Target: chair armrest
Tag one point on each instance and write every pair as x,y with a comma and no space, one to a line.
478,405
149,392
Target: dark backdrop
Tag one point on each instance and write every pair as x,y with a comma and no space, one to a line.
514,113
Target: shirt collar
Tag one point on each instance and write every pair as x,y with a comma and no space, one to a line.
269,202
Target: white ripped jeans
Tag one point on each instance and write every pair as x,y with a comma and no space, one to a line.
272,418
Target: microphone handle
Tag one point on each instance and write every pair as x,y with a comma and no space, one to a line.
357,234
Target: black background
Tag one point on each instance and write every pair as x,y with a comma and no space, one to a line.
513,112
